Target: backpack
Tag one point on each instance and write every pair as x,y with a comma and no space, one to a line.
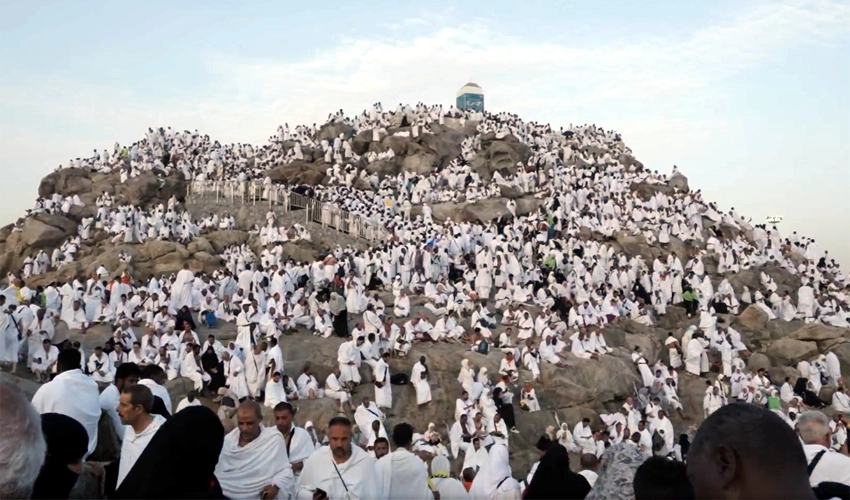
483,347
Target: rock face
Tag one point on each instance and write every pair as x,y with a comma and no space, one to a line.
679,182
46,231
752,318
299,172
790,352
500,155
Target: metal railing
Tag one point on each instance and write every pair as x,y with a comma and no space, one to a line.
253,193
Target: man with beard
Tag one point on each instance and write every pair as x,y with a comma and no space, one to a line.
351,473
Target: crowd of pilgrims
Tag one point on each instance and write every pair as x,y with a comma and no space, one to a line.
527,287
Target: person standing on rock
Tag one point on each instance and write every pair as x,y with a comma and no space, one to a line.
694,355
181,290
383,387
674,349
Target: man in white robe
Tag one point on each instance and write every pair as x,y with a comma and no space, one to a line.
255,371
234,371
334,389
71,393
674,351
253,462
348,357
44,361
340,469
693,356
181,290
134,408
100,367
419,379
383,388
402,474
299,444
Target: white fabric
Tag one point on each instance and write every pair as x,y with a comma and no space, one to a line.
486,485
134,445
833,466
73,394
244,472
403,475
360,478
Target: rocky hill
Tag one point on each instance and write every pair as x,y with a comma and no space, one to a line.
584,389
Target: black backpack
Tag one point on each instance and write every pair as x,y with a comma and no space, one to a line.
827,489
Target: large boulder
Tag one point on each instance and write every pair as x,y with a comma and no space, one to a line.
420,163
298,172
628,160
646,191
200,244
385,167
758,361
753,318
397,143
679,182
43,231
220,240
444,143
67,182
818,332
331,131
789,352
361,142
302,251
501,156
141,189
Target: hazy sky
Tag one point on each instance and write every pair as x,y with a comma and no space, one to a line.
750,99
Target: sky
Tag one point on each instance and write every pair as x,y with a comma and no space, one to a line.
750,99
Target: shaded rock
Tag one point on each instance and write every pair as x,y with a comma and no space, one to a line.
200,244
679,182
646,191
47,230
383,168
819,332
67,182
361,142
298,172
790,351
302,251
178,389
500,156
675,317
758,361
223,239
139,190
779,329
421,163
444,143
397,143
330,131
752,318
157,249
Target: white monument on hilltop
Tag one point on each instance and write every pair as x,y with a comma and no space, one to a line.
470,96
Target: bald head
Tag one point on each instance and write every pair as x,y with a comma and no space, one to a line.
249,417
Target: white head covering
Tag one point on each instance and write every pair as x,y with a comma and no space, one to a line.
494,472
